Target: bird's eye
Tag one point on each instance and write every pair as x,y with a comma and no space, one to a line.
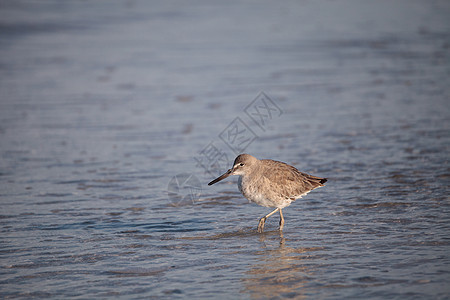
241,164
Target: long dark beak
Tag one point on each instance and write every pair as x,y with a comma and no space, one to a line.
228,173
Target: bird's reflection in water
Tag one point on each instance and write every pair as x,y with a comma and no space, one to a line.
280,271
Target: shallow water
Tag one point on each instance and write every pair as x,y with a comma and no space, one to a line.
114,117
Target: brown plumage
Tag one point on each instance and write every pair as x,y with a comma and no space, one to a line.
270,183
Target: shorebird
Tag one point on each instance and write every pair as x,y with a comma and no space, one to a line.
270,183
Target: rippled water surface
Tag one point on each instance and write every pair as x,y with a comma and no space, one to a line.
113,116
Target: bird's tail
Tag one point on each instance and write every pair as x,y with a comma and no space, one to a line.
316,181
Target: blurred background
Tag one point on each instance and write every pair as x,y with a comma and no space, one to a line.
114,115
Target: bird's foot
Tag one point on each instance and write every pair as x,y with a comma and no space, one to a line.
281,225
262,221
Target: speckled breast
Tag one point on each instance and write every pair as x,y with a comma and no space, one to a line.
255,194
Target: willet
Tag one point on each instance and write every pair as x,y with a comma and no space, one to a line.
270,183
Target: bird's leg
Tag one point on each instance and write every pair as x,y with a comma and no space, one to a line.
263,220
281,221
